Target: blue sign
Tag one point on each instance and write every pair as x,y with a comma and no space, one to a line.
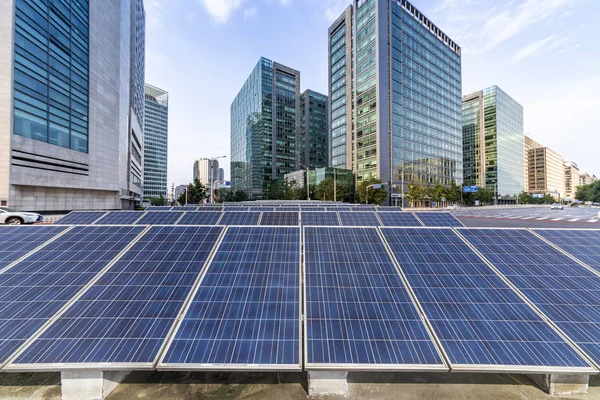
471,189
378,186
537,196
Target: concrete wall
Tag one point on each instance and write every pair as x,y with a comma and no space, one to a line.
6,41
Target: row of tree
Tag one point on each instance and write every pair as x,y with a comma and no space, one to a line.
589,192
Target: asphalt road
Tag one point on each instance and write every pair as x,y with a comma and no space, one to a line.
578,218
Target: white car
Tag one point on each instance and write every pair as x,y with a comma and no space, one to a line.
556,206
9,216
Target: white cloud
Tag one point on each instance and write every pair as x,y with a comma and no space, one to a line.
334,8
535,48
250,12
285,2
220,10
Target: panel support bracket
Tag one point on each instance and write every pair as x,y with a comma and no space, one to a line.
327,383
89,385
562,384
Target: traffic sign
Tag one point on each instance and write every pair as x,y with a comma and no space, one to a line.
377,186
471,189
537,196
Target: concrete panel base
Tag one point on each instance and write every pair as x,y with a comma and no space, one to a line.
558,384
323,383
89,385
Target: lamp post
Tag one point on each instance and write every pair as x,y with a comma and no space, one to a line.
307,185
211,177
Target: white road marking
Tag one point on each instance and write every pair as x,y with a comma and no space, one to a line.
557,219
593,220
528,218
574,219
540,219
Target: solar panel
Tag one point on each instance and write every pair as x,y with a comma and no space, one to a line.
480,321
567,293
240,218
119,218
296,208
583,244
358,313
17,241
159,208
160,218
35,289
337,208
125,317
355,218
320,218
398,218
389,208
362,207
185,208
200,218
246,312
80,218
281,218
438,218
235,208
260,209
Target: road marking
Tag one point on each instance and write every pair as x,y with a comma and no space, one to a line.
518,216
593,220
540,219
557,219
574,219
528,218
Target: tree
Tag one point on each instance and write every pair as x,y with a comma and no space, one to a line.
229,196
416,193
196,194
453,192
589,192
157,201
438,192
375,196
273,190
293,191
325,190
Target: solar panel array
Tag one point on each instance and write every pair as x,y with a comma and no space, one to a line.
583,244
119,218
81,218
160,218
18,241
281,218
356,218
398,218
200,218
246,311
478,318
437,218
320,218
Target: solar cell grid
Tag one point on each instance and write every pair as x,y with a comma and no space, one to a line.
566,292
479,320
240,218
185,208
80,218
584,244
200,218
160,218
358,313
320,218
17,241
438,219
356,218
398,218
119,218
246,312
125,317
35,289
279,218
159,208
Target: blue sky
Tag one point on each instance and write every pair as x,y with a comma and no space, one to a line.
543,53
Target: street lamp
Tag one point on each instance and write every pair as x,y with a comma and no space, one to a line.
307,186
376,186
211,177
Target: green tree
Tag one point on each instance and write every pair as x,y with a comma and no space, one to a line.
157,201
453,192
293,191
325,191
438,192
416,192
375,196
589,192
196,194
274,190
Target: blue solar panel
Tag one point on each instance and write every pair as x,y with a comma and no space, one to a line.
583,244
160,218
34,290
398,218
17,241
119,218
363,207
336,208
296,208
358,312
80,218
437,218
478,318
235,208
246,312
389,208
320,218
159,208
283,218
127,314
185,208
240,218
566,292
260,209
200,218
356,218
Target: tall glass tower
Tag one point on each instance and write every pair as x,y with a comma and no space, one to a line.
493,142
265,127
405,92
313,130
156,134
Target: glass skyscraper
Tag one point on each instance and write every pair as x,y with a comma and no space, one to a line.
406,96
493,142
265,127
313,130
156,133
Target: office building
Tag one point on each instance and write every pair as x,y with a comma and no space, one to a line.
179,190
585,178
546,172
206,171
156,132
65,93
571,179
405,97
221,175
265,127
313,130
529,144
493,142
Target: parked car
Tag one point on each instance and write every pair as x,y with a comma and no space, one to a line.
556,206
9,216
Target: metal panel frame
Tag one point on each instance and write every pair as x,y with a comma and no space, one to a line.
142,213
161,366
443,367
81,212
426,226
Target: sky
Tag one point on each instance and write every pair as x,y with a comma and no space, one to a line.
544,53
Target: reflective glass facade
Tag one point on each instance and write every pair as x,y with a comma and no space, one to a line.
313,132
265,126
494,140
139,58
156,124
51,68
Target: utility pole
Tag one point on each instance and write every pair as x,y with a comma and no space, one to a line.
334,185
